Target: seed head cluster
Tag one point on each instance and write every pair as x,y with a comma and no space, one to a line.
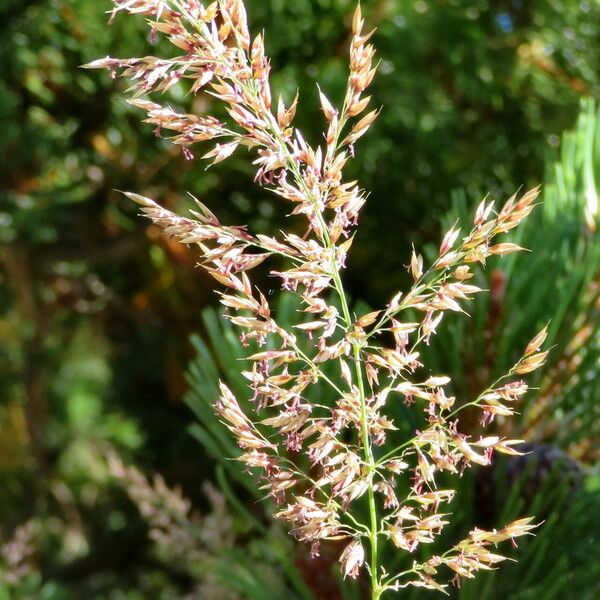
321,461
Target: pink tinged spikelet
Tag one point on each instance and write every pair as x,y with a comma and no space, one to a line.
531,363
352,559
536,342
238,423
448,241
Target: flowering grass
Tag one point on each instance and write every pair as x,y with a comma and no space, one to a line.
320,463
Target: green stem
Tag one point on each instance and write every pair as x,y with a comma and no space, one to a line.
339,287
371,494
368,454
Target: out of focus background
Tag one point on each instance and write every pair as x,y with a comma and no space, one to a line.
114,478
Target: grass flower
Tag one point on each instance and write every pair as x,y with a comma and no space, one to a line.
320,462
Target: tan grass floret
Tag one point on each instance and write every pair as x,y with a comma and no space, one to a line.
341,442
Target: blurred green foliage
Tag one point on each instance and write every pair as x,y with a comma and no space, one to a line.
96,307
